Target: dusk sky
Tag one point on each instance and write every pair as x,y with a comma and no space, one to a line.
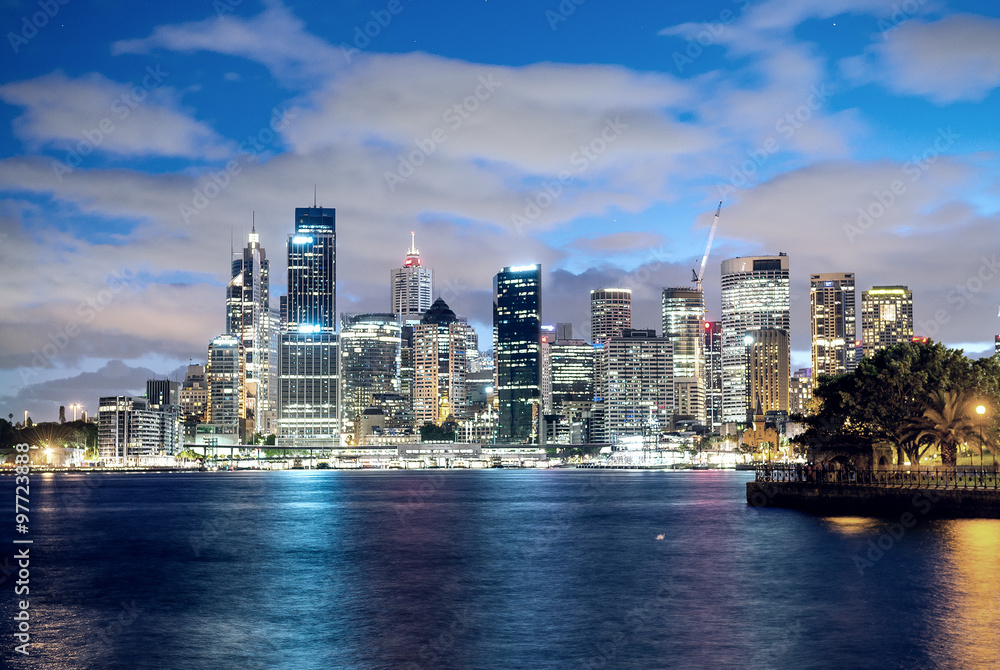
594,138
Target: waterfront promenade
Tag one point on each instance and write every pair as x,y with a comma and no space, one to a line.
939,491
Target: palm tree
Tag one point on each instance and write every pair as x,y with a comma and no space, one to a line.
946,421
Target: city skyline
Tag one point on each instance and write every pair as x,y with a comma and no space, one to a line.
847,136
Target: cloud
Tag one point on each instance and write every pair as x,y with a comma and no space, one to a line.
275,37
93,113
954,59
115,377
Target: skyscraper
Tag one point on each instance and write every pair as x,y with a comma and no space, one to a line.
248,318
164,398
755,294
834,325
683,312
610,313
225,376
369,363
886,318
637,385
767,369
412,286
307,357
441,343
712,348
517,318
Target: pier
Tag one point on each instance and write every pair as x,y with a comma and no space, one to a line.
939,492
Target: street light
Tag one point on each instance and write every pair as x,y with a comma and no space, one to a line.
980,410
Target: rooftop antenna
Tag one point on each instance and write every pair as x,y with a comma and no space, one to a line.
413,243
698,275
314,196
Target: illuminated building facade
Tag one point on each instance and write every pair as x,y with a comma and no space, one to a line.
517,317
637,385
755,294
711,344
369,363
610,313
248,318
441,344
683,311
307,350
224,376
768,357
833,323
411,286
886,317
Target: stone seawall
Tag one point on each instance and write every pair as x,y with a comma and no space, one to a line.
854,500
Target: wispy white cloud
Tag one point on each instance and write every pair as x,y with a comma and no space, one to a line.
92,113
956,58
275,37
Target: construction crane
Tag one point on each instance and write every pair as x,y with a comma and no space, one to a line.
698,275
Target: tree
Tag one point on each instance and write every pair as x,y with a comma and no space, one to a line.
947,421
887,391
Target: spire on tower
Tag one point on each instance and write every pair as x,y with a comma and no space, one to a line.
412,255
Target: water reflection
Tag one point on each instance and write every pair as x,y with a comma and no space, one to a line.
853,525
971,622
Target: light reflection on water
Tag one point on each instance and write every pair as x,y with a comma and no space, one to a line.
971,629
498,569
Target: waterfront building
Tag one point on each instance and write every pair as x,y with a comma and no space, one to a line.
755,294
128,429
440,366
307,357
193,399
517,314
886,317
411,286
683,311
164,398
637,388
833,323
712,348
248,318
224,376
767,370
610,313
370,360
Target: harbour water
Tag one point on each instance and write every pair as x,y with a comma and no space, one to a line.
499,569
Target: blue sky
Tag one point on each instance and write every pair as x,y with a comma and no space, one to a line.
855,135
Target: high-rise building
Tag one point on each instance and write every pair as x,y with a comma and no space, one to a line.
800,391
369,362
307,356
441,344
996,346
834,324
610,313
225,378
127,429
683,312
712,348
637,385
248,318
886,318
517,316
163,392
194,399
767,370
545,368
165,399
755,294
411,286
